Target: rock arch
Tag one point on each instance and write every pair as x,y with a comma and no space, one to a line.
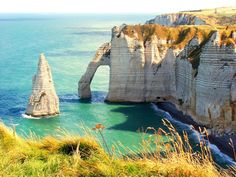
101,58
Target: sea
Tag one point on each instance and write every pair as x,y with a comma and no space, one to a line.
69,42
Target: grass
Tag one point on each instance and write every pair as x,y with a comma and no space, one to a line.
83,156
216,16
180,35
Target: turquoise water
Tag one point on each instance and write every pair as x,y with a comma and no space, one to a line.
69,43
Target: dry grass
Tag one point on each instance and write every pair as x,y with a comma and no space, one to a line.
178,37
217,16
78,156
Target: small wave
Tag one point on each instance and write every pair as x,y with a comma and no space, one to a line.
25,116
70,98
223,157
195,135
29,116
98,96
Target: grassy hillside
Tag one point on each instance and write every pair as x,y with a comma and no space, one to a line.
83,156
217,16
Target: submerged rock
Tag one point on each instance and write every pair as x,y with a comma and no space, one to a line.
43,100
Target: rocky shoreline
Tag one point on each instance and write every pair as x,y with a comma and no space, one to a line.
222,142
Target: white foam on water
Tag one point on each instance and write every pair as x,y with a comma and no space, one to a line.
196,136
29,116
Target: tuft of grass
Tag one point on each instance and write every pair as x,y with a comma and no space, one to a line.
83,156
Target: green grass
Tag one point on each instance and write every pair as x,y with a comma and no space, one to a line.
83,156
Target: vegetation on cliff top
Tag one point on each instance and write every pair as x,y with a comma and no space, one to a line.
83,156
178,37
216,16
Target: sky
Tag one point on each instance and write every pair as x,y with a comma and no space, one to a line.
108,6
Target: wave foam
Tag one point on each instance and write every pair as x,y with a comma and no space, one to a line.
222,157
29,117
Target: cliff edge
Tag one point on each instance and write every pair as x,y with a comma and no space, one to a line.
217,16
191,66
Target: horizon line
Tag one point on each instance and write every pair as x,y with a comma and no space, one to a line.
160,12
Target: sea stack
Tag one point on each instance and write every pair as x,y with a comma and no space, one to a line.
43,100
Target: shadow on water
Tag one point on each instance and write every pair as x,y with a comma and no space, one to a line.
16,111
12,103
138,117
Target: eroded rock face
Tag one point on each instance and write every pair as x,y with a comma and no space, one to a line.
176,19
102,57
43,100
210,96
137,70
150,71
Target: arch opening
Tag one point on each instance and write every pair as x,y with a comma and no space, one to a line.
101,58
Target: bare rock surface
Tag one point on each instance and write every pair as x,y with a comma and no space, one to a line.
151,71
43,100
102,57
176,19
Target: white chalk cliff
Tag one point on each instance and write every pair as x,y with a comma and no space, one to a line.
148,71
43,100
102,57
176,19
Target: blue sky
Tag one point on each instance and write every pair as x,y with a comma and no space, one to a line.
108,6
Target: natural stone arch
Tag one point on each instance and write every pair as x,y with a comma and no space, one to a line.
102,57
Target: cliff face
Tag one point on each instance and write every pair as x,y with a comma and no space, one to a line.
215,84
152,68
216,16
43,100
209,97
138,69
177,19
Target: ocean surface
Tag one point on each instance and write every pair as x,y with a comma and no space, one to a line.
69,43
